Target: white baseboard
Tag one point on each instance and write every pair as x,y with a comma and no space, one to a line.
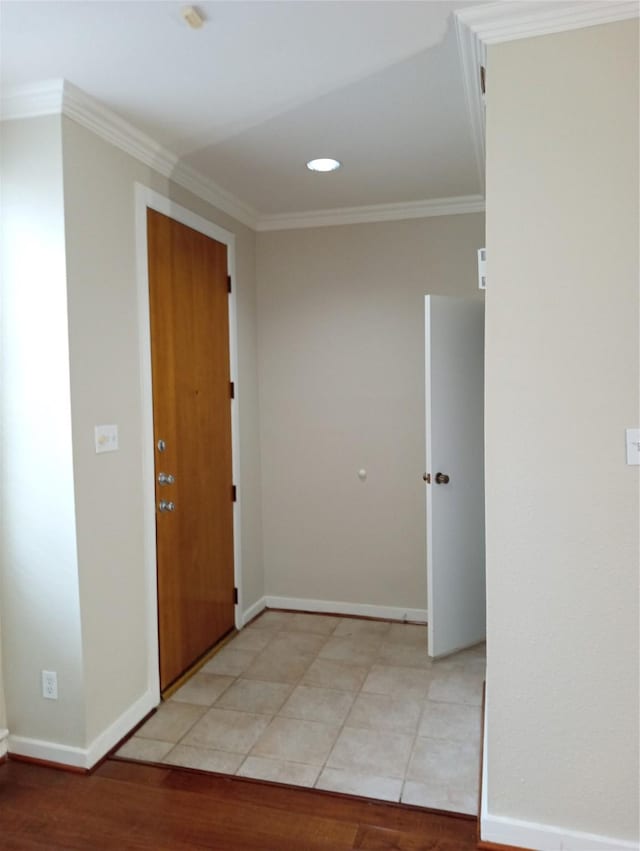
544,837
4,737
48,751
254,610
102,744
538,837
395,613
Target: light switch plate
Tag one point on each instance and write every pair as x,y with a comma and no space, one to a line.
633,446
106,437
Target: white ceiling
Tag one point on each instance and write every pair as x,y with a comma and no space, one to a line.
265,86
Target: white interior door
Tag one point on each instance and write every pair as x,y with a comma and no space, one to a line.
454,331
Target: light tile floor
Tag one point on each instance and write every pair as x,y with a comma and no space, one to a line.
342,704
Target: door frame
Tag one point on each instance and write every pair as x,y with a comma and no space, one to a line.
144,198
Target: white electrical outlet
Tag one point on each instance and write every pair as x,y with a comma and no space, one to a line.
50,685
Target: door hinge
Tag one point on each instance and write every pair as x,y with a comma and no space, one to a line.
228,283
482,268
234,493
235,596
232,389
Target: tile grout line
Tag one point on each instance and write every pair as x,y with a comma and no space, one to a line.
246,756
356,694
191,726
294,685
315,659
236,677
359,692
342,726
379,659
298,682
436,738
415,739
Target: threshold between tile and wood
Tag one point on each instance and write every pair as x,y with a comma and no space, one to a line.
344,704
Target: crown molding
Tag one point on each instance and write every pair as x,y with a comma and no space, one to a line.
479,26
87,111
372,213
476,27
499,22
90,113
54,97
32,100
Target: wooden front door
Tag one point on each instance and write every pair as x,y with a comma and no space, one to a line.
188,302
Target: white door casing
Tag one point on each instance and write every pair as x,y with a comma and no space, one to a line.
146,198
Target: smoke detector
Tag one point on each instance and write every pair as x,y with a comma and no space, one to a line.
192,17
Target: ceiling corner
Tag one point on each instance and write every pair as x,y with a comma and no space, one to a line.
472,54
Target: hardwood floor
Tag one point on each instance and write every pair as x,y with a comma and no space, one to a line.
132,806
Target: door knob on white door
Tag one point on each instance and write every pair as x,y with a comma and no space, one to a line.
442,479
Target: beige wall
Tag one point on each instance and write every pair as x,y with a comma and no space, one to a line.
561,387
105,385
341,353
39,570
74,594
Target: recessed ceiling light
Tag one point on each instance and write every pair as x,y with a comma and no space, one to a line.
323,164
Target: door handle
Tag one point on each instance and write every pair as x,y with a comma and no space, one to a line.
164,505
427,478
442,479
165,479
